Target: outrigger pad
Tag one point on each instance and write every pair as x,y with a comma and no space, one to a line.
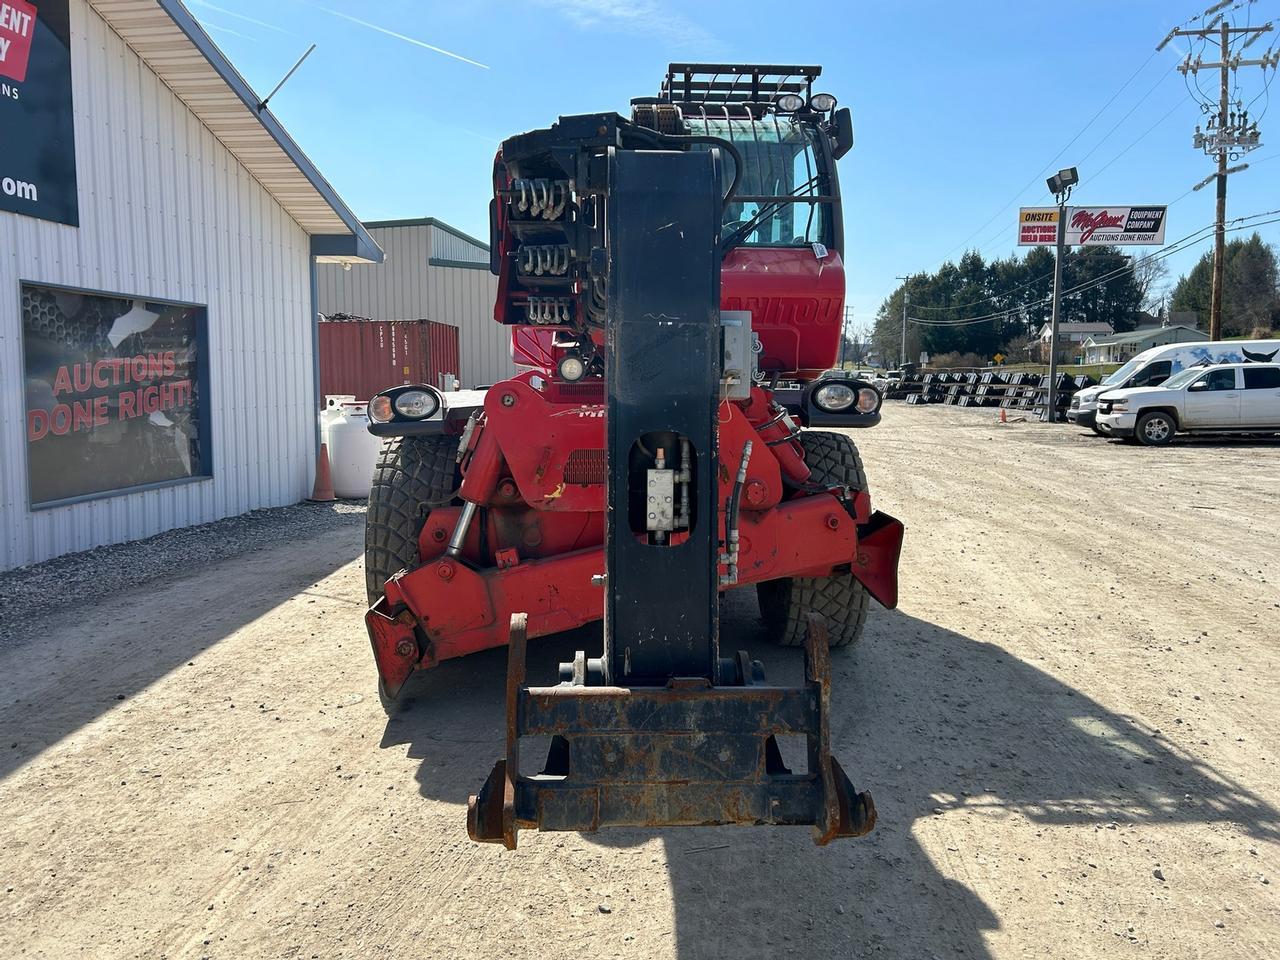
688,754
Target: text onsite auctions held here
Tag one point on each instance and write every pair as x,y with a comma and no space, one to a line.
141,395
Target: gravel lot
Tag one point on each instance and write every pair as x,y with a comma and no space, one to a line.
1071,729
84,578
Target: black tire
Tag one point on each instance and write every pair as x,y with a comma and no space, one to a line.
391,706
840,598
1155,429
413,475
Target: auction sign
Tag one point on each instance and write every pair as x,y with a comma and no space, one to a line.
1092,226
1037,226
115,393
37,133
1115,226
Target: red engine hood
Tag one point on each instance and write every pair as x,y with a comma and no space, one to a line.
796,302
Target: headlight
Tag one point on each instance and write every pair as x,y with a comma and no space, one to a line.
572,369
416,404
868,400
789,103
380,410
822,102
835,397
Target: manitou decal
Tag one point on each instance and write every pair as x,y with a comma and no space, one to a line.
37,143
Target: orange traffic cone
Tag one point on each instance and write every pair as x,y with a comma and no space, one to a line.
322,492
1004,417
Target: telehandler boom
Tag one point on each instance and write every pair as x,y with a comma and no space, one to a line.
661,275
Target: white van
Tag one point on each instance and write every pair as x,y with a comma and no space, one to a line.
1153,367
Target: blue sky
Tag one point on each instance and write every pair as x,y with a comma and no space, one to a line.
957,107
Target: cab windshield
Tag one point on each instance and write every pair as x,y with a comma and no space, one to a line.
1123,374
783,197
1183,377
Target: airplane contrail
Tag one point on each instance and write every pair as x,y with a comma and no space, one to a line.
401,36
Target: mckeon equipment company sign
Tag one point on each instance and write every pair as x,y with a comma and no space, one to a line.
1119,226
1092,226
37,143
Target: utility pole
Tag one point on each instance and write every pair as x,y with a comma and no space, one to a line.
844,333
1060,185
906,302
1230,134
1061,194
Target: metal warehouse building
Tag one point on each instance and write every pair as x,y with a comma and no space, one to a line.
158,239
432,272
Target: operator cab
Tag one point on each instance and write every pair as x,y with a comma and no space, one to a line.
781,230
782,234
788,137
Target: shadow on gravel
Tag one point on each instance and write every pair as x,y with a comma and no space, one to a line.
1211,441
66,663
930,721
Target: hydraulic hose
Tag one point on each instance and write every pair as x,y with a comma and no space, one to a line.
731,519
683,138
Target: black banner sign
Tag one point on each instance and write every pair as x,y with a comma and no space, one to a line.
37,135
114,393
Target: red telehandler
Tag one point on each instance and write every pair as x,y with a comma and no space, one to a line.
674,284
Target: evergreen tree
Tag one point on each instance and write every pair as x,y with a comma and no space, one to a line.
1251,288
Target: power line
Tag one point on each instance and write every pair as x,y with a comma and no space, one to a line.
1097,281
1229,134
1124,86
1141,101
1172,110
991,239
1167,251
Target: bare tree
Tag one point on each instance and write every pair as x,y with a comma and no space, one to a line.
1149,274
857,343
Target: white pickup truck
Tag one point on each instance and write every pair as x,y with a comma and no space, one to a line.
1226,398
1154,366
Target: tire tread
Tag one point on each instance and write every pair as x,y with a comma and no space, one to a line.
840,598
412,475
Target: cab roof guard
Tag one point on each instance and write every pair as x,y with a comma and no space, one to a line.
735,82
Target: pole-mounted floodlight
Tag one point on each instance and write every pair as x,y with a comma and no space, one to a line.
1060,185
1062,181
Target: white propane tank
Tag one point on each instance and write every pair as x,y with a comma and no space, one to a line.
353,450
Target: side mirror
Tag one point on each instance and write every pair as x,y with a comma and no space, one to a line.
1199,385
841,132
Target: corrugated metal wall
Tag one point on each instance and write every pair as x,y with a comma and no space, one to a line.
442,352
446,245
165,212
409,287
364,357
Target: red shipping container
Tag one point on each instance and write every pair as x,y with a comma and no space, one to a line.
365,357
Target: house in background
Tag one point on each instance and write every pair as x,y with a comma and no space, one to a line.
1071,338
1120,347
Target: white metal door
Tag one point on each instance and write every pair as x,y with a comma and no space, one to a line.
1213,400
1260,402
